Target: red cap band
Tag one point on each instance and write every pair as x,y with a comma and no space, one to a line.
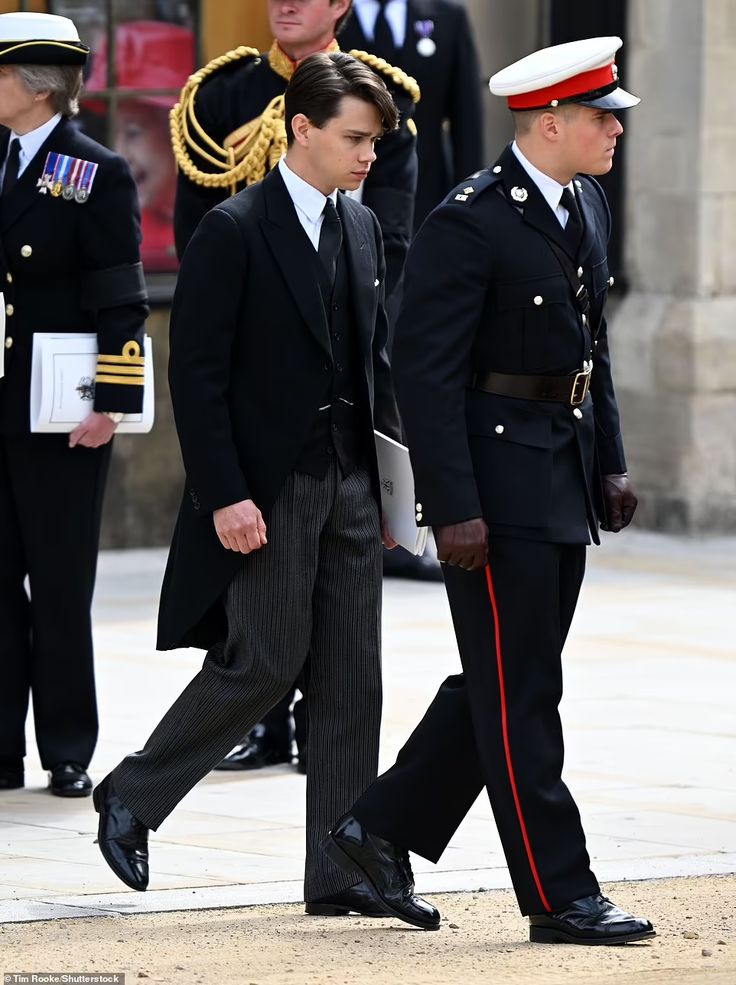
598,78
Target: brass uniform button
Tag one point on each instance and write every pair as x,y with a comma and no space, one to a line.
9,277
578,413
539,299
419,517
9,310
9,342
26,251
500,429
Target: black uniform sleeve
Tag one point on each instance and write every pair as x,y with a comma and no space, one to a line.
385,414
204,319
447,279
390,189
113,288
465,110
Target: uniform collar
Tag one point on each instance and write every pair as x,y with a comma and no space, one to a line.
551,190
31,142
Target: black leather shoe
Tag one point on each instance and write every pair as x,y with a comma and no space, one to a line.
11,777
590,920
384,867
358,899
256,751
69,780
122,839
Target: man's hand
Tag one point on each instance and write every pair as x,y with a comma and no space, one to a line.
464,544
240,527
93,432
386,538
620,501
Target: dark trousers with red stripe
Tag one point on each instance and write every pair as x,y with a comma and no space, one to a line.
497,725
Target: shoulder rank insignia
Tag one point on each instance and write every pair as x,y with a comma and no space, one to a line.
465,194
66,177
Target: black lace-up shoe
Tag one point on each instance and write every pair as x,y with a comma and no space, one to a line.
122,839
386,869
590,920
358,899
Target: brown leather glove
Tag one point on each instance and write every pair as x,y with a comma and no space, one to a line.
620,500
463,544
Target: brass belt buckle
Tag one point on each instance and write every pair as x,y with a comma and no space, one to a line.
580,386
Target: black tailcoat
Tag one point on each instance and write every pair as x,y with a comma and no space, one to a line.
250,351
449,116
240,92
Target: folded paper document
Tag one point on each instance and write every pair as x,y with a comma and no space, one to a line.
63,383
397,494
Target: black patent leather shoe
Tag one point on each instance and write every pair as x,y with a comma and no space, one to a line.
256,751
11,777
590,920
69,780
122,839
358,899
386,869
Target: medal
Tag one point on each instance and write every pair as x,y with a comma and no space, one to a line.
426,47
84,184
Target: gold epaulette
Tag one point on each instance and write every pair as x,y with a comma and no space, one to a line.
396,75
188,135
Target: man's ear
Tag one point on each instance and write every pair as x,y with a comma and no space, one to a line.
549,126
300,127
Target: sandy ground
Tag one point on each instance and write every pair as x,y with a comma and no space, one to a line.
482,939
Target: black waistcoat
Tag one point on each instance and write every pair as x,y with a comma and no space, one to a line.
336,429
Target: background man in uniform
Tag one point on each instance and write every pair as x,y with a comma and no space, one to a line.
69,262
239,105
432,40
504,381
278,375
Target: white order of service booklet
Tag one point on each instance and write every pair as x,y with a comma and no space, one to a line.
397,494
63,383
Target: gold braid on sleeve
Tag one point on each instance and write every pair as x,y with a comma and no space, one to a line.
246,162
396,75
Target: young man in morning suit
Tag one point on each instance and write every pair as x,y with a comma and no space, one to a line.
504,382
228,131
69,262
278,376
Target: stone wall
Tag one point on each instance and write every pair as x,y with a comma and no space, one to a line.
674,335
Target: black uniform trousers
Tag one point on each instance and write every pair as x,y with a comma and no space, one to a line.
497,725
50,511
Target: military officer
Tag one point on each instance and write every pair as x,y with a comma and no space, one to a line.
69,234
503,375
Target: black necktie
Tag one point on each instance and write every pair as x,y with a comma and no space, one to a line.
330,239
383,37
574,227
11,167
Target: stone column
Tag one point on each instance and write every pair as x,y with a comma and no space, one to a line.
674,335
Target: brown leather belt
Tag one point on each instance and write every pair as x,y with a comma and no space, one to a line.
571,389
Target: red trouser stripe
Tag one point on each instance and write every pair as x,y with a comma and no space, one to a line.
506,745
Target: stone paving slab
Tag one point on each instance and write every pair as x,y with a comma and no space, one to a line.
648,712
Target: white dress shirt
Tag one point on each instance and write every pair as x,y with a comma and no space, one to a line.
30,144
551,190
396,11
308,201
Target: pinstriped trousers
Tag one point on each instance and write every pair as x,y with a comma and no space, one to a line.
314,589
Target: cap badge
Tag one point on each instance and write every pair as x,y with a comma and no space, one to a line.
519,194
425,45
614,71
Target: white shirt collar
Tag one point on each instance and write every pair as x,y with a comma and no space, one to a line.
31,142
305,197
551,190
396,15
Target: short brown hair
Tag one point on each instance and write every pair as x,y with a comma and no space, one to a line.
321,82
